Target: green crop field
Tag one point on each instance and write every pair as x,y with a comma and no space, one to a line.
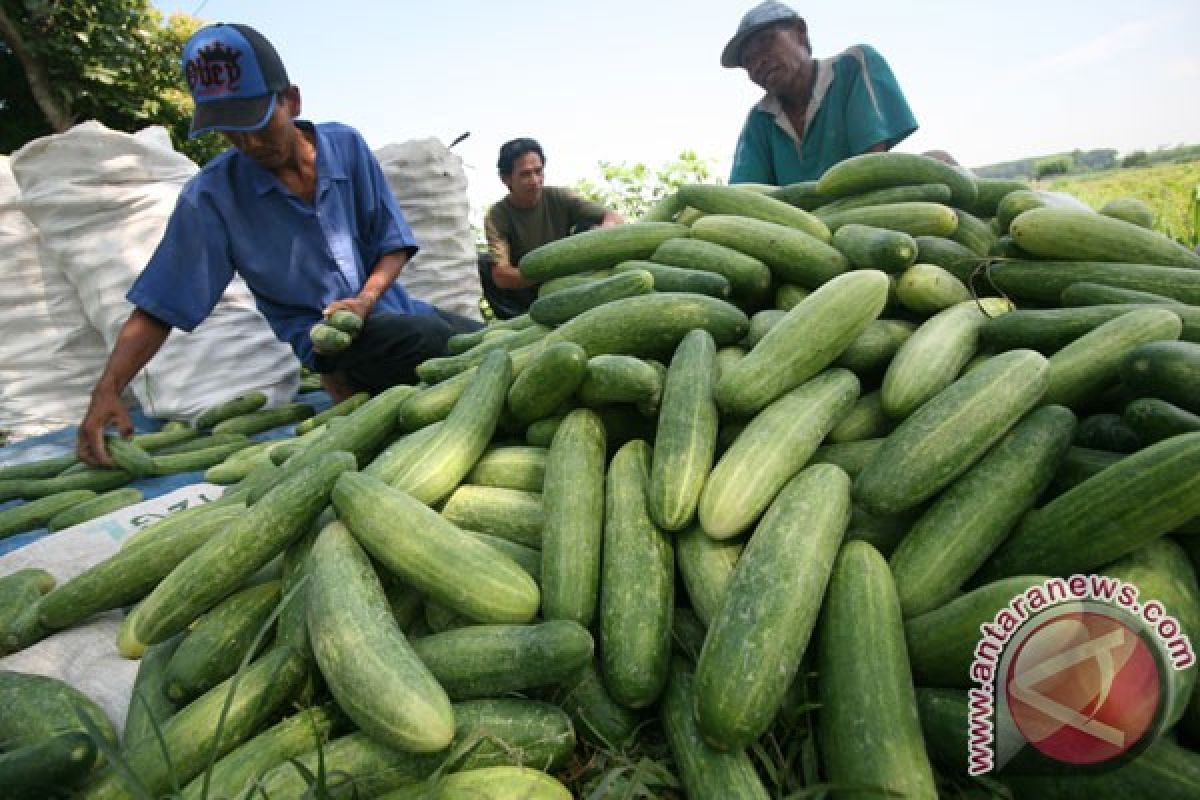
1171,190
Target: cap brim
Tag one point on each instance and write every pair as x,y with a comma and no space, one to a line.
241,114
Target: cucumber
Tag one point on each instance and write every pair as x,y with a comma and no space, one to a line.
385,688
1165,771
1087,236
760,324
973,233
205,727
129,457
462,342
875,347
970,519
551,377
921,192
945,436
555,285
706,773
1091,363
950,256
637,585
241,769
686,438
436,370
928,289
490,783
433,473
541,433
36,513
1107,432
679,279
19,591
706,565
96,507
347,406
1044,281
870,171
770,608
876,248
596,715
749,278
434,555
47,767
38,708
511,467
1095,294
1154,420
802,194
1079,464
43,468
197,460
934,356
613,379
804,342
215,646
328,339
1167,370
492,660
915,219
573,500
600,248
510,514
866,420
752,205
149,706
792,255
265,420
222,563
788,296
1116,511
774,446
558,307
363,433
242,404
345,321
1016,203
883,533
941,641
203,443
870,730
1050,330
396,457
1130,209
991,192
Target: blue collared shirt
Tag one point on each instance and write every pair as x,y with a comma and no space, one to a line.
236,216
856,103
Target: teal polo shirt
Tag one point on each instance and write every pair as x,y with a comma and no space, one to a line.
856,103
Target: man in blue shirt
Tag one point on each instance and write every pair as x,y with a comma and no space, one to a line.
816,112
302,212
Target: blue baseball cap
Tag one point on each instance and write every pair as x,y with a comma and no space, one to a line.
756,19
234,75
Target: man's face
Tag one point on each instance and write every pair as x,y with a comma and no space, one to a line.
776,57
526,179
272,145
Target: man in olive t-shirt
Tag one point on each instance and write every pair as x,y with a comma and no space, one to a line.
527,218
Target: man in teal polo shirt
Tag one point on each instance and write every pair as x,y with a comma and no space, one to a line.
816,112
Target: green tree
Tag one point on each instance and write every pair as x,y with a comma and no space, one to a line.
1053,165
633,189
116,61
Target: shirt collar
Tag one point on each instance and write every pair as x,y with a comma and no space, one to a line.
328,169
770,104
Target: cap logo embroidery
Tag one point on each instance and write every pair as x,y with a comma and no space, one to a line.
214,71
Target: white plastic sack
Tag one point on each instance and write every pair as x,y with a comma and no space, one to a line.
100,200
430,185
50,355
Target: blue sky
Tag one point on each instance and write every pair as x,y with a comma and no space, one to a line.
641,81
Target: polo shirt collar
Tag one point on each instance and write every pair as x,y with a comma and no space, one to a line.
328,169
772,105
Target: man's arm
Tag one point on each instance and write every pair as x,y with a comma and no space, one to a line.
382,276
504,272
140,338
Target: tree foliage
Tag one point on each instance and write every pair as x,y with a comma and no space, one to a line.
1053,165
633,189
116,61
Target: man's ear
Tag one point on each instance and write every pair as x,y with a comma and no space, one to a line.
291,96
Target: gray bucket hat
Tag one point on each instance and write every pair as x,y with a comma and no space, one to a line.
757,18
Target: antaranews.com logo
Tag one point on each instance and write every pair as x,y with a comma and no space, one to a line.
1073,670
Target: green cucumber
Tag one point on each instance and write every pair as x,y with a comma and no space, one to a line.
215,646
436,370
921,192
129,457
749,278
802,194
1049,330
197,460
1107,432
202,443
434,554
573,501
883,533
265,419
973,233
551,377
1095,294
228,409
596,715
1130,209
600,248
558,307
970,519
462,342
876,248
875,347
1088,236
1167,370
852,457
43,468
328,339
686,438
1044,281
865,676
788,296
345,321
45,768
945,436
760,324
555,285
804,342
706,565
950,256
36,513
612,379
666,278
1091,363
347,406
395,458
510,514
637,585
20,591
915,219
792,255
991,192
770,608
1116,511
490,783
928,289
96,507
492,660
149,706
1154,420
511,467
528,558
866,420
870,171
751,205
385,689
38,708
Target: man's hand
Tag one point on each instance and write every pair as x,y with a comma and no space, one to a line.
106,408
360,306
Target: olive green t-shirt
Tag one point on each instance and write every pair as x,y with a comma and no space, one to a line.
512,232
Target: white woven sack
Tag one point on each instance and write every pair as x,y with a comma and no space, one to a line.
50,355
100,200
430,185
